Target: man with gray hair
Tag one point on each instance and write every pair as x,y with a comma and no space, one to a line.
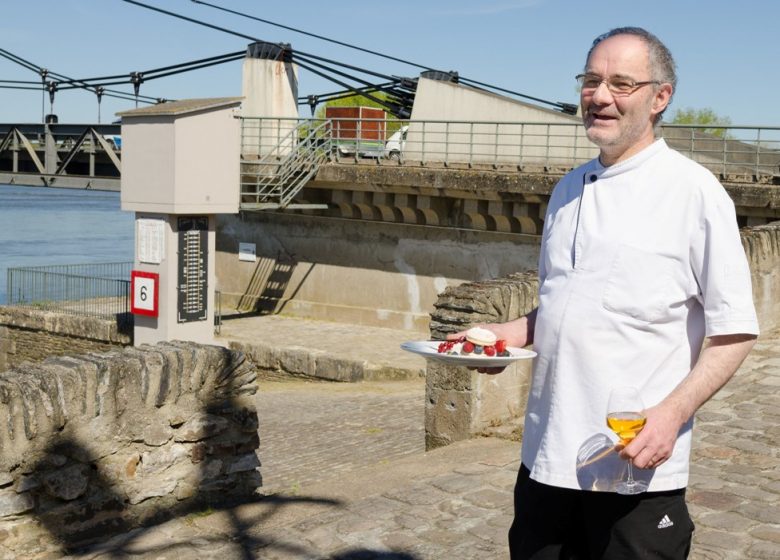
640,263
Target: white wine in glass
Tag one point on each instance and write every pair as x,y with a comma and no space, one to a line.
626,417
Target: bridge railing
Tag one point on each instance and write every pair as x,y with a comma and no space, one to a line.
731,151
95,290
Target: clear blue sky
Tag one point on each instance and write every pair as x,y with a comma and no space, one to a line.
727,51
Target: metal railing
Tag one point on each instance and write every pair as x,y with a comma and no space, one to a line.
95,290
278,157
551,146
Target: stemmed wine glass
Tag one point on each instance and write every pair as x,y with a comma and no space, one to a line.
626,417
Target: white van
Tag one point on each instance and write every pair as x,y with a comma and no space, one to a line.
396,143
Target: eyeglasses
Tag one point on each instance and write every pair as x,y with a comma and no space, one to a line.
616,85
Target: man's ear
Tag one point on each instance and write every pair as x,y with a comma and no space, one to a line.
662,98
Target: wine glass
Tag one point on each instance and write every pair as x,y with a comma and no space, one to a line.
626,417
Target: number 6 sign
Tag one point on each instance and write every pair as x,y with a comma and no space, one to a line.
144,288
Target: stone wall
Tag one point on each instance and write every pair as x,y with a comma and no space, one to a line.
97,444
28,335
462,403
762,247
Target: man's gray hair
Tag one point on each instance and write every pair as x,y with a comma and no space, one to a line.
662,66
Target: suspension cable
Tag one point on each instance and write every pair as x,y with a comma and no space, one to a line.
312,35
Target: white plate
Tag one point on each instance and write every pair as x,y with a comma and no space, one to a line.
429,349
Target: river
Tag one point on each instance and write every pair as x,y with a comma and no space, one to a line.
44,226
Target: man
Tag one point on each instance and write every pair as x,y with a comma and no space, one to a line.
640,261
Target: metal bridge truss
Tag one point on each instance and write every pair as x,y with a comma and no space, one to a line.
61,155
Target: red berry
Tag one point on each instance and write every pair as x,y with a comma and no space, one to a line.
490,350
442,346
500,345
468,347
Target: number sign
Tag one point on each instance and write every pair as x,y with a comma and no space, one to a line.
144,287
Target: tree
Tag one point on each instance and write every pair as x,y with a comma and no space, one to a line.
704,118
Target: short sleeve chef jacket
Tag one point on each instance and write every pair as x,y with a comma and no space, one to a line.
639,262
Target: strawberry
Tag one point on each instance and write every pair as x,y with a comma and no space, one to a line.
468,347
490,350
500,345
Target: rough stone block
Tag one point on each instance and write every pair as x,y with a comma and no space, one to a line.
200,427
12,503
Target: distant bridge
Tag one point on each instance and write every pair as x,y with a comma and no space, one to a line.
74,156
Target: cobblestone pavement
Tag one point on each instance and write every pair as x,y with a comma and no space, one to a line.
346,479
360,424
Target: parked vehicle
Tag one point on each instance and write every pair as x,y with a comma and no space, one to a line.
115,140
395,145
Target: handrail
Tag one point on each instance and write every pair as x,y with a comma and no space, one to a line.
283,165
287,152
736,152
95,290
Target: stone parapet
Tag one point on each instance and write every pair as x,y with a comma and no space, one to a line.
28,335
67,325
101,443
762,248
461,403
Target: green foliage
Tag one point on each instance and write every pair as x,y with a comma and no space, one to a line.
702,117
352,101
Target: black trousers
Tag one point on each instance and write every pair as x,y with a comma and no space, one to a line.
554,523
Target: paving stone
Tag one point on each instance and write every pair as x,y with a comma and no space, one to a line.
764,551
728,521
760,512
454,484
419,496
727,541
767,533
488,498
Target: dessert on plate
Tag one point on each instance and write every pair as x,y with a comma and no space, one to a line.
477,342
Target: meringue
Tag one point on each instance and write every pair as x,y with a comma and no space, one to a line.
480,336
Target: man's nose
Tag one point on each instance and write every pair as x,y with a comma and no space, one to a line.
602,95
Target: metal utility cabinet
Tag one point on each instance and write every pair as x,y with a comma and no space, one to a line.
180,167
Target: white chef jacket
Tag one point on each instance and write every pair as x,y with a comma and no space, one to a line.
639,262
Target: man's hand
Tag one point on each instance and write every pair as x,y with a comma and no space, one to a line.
654,444
518,333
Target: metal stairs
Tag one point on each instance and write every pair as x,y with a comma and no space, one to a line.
272,180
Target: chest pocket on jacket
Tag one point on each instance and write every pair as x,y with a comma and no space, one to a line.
641,285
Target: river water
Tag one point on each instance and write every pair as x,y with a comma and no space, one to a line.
44,226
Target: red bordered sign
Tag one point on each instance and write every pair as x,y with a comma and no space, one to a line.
144,288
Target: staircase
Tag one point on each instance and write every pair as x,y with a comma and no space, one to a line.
276,164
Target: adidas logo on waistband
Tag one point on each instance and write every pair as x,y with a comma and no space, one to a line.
665,522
